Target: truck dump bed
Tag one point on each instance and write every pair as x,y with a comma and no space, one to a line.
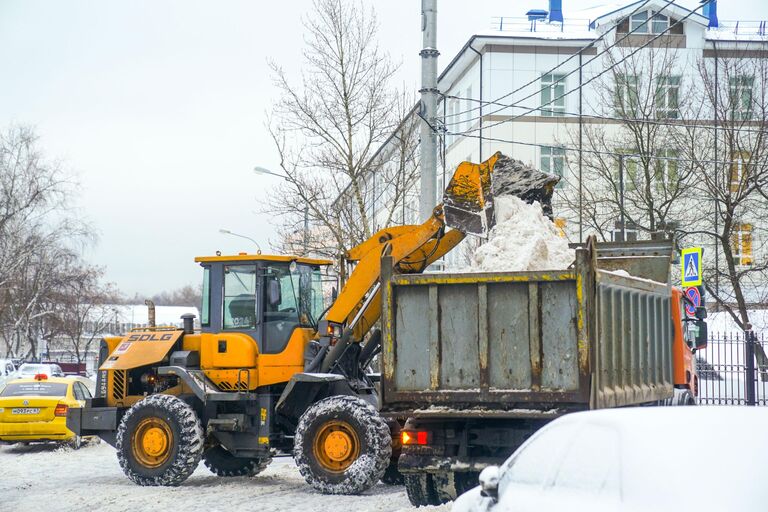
521,344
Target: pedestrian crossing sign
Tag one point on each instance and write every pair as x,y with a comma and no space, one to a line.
691,267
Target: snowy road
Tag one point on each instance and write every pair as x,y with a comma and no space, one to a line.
42,477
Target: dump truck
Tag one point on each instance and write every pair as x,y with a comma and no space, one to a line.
527,347
272,369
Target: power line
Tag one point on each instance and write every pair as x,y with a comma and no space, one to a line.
581,86
626,120
597,151
574,55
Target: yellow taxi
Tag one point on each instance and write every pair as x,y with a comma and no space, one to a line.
35,409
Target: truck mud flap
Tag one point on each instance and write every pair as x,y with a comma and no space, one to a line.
94,421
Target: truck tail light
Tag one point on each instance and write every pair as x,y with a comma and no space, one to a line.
414,437
61,410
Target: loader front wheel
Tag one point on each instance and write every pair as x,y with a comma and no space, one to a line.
159,441
223,463
342,445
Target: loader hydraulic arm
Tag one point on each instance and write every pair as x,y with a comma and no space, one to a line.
412,248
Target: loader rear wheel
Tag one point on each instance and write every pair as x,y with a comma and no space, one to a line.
421,490
159,441
342,445
223,463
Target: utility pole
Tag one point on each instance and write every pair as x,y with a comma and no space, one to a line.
428,108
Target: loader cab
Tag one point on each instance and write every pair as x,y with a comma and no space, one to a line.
265,297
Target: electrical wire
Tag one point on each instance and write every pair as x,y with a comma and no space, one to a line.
657,122
574,55
596,151
581,86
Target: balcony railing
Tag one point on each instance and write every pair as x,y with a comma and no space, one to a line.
522,24
746,29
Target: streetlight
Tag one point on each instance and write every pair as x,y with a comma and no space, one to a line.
263,170
228,232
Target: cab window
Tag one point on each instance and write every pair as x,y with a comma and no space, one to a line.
281,315
34,389
240,304
205,310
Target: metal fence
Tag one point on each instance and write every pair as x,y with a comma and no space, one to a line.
733,369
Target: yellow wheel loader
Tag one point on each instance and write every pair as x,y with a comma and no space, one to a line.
272,370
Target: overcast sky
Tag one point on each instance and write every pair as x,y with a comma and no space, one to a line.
158,108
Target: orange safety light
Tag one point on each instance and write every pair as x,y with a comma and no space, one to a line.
41,376
410,437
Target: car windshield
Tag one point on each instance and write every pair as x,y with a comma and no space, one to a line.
33,369
34,389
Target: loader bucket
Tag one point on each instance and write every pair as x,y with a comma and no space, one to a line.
468,199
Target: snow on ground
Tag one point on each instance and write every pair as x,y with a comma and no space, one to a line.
523,239
46,477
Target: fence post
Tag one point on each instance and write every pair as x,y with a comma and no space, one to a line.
749,358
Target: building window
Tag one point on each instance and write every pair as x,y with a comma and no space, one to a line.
630,231
626,96
741,97
739,170
552,94
667,97
741,244
630,169
665,172
638,23
553,162
659,23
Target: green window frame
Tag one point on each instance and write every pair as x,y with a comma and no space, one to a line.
740,94
552,94
552,161
668,97
627,99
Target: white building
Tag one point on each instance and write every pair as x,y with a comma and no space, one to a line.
530,86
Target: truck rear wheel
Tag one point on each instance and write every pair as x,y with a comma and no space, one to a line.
223,463
342,445
159,441
421,490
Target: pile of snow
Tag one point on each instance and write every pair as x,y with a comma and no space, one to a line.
523,239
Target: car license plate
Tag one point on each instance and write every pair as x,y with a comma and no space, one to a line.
26,410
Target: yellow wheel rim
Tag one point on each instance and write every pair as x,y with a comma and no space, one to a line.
151,442
336,446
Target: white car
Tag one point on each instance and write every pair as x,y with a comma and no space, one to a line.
28,370
637,459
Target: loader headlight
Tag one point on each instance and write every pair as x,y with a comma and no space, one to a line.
334,330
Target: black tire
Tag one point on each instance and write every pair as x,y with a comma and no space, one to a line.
183,447
445,486
392,476
420,488
369,442
76,442
686,398
223,463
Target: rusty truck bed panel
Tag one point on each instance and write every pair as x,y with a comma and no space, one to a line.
561,340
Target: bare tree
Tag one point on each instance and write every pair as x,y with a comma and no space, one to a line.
731,181
40,238
328,127
633,170
82,311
